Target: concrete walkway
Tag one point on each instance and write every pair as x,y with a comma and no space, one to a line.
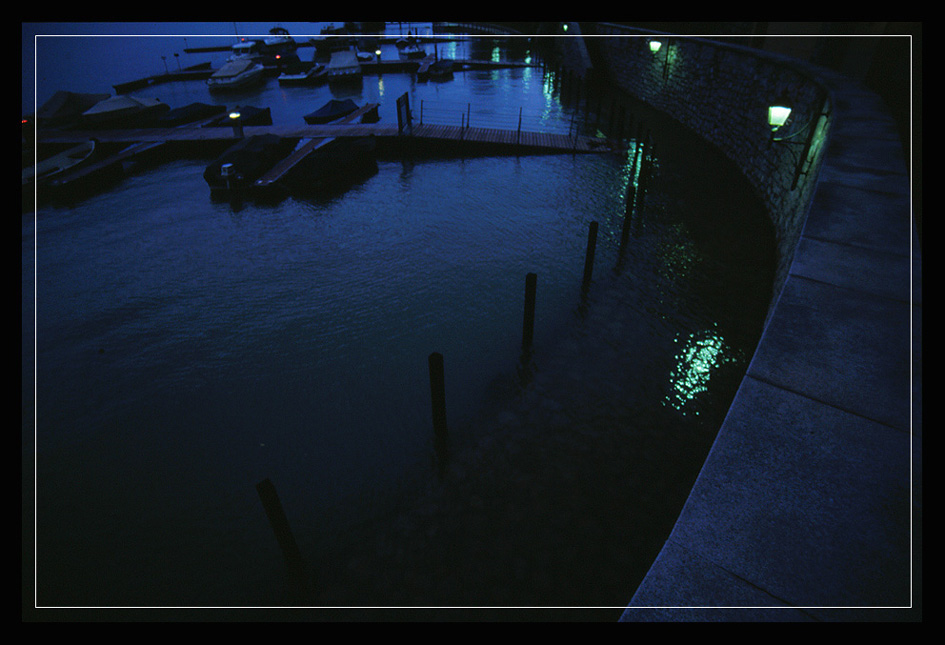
809,506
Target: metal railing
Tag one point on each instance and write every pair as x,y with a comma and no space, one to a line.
514,119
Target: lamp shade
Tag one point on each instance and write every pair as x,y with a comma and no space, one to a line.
655,45
778,115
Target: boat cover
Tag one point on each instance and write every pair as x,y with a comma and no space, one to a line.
251,157
190,113
65,105
331,111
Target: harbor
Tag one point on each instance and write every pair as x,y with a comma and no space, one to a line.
409,135
212,371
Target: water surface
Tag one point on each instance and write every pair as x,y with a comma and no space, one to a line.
186,349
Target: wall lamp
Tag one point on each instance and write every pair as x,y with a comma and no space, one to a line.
655,47
809,135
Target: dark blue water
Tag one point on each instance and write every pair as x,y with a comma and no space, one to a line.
186,349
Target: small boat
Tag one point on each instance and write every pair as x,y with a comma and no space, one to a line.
65,108
409,48
252,49
315,75
57,164
249,115
344,67
438,70
235,75
124,112
279,41
332,111
246,161
189,114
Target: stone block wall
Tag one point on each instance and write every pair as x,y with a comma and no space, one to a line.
721,91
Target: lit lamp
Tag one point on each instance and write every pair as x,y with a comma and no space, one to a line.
655,46
237,124
808,135
778,115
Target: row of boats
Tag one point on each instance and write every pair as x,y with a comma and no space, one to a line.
250,61
307,164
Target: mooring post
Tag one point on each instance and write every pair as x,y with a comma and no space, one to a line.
528,323
589,256
237,122
438,405
627,217
295,564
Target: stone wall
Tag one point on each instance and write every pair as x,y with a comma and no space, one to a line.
721,92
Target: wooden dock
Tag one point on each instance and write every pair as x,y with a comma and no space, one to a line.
519,142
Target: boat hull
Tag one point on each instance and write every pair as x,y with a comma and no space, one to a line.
250,76
244,162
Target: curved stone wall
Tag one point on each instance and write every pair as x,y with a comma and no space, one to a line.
809,504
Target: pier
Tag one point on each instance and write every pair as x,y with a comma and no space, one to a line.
509,141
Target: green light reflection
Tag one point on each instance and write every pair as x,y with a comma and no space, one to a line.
704,352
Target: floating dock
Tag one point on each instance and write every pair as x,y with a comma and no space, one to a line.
444,136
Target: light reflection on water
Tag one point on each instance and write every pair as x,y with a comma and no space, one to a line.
700,356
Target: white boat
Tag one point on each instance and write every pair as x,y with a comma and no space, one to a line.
344,66
236,74
59,163
279,40
246,49
315,75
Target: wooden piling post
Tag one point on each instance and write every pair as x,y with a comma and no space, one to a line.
589,257
438,394
295,564
627,217
438,405
528,323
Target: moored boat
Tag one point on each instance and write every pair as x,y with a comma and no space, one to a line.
332,111
408,48
344,67
249,115
56,164
245,161
315,75
189,114
124,111
236,74
438,70
65,108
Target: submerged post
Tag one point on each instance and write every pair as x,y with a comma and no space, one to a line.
589,257
528,323
438,405
295,564
627,218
